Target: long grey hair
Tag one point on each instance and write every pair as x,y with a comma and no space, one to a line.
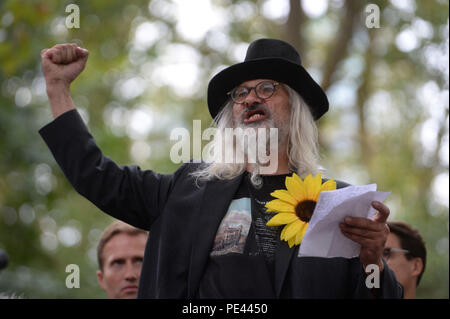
302,148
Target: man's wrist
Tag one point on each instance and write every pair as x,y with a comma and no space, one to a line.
57,88
59,98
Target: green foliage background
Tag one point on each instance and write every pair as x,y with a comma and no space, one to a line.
374,132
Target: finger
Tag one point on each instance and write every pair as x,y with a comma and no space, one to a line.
82,53
64,59
46,54
75,48
360,232
43,53
71,54
55,55
383,212
364,242
363,223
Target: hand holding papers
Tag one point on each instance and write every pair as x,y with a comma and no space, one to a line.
324,237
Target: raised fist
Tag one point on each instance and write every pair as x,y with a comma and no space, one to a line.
62,63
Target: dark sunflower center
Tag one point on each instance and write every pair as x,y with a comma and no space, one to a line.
304,210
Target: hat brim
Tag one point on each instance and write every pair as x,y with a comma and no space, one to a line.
277,69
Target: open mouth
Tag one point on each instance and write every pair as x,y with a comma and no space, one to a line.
255,116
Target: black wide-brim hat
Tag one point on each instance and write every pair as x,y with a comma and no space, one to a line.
268,59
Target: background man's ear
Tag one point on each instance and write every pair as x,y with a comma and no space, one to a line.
100,279
418,266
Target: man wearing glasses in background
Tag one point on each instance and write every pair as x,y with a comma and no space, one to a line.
406,255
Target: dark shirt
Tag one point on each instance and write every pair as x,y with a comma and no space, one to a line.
244,239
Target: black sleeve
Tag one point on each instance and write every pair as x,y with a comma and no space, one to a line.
125,192
389,288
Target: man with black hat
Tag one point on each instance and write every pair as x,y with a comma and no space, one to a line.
213,235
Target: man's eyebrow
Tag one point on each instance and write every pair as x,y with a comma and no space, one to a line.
117,259
137,257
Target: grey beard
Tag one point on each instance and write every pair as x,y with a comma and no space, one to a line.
264,139
262,149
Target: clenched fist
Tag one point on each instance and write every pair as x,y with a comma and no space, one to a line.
62,63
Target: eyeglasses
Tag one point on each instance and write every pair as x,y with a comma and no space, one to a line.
263,90
388,251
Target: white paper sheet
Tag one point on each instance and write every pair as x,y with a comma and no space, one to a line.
324,237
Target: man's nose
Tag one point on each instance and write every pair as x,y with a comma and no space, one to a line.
131,273
252,98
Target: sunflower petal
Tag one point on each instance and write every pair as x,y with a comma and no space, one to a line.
329,185
298,237
313,186
295,187
305,229
297,178
284,196
301,234
283,232
277,205
291,242
293,228
282,219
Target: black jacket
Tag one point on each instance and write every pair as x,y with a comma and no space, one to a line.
183,219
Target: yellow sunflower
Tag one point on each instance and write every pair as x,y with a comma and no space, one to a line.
295,205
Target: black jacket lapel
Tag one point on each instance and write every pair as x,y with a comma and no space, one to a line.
283,256
214,205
